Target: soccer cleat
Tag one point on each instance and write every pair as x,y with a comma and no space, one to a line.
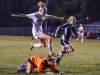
22,68
31,46
54,54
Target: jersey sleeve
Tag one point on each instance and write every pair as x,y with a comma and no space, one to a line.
30,15
40,68
74,30
64,25
54,69
47,16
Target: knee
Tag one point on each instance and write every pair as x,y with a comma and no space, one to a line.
28,71
49,38
44,46
72,50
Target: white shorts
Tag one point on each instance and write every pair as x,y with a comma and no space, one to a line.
81,34
36,34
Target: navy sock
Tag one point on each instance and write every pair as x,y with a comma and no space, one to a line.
65,51
58,60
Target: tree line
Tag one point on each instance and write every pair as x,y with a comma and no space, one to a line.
63,8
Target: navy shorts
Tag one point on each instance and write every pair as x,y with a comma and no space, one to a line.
64,42
30,61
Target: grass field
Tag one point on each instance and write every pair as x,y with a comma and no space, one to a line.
14,50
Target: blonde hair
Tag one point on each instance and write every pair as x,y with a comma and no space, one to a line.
42,6
71,18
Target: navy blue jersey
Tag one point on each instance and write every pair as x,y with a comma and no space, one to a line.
68,30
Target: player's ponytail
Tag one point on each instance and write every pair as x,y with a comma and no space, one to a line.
41,4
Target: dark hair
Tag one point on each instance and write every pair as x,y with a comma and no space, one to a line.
50,58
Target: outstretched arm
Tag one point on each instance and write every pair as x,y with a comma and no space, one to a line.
55,17
74,31
57,30
54,69
19,15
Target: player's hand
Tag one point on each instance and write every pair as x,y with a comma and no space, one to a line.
13,15
55,35
61,18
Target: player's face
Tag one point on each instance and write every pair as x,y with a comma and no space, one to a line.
71,21
42,13
80,25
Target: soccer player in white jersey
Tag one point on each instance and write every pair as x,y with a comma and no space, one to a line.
80,34
37,31
69,28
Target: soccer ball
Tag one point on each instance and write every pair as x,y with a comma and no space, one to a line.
50,73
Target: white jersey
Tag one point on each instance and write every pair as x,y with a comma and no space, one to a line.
37,23
80,29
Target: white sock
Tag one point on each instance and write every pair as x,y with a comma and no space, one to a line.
82,40
37,45
77,39
60,54
50,48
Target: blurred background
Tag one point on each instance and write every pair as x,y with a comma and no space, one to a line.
87,12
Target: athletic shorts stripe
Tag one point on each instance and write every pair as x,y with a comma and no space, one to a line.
64,43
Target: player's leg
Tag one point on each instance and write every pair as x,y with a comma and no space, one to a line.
32,45
43,43
78,37
48,38
66,48
82,37
30,66
60,55
70,48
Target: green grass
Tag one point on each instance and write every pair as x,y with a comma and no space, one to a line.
14,50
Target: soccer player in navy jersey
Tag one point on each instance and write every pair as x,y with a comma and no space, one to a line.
66,46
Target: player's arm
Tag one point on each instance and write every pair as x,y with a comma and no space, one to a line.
40,68
54,69
19,15
74,31
58,28
55,17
